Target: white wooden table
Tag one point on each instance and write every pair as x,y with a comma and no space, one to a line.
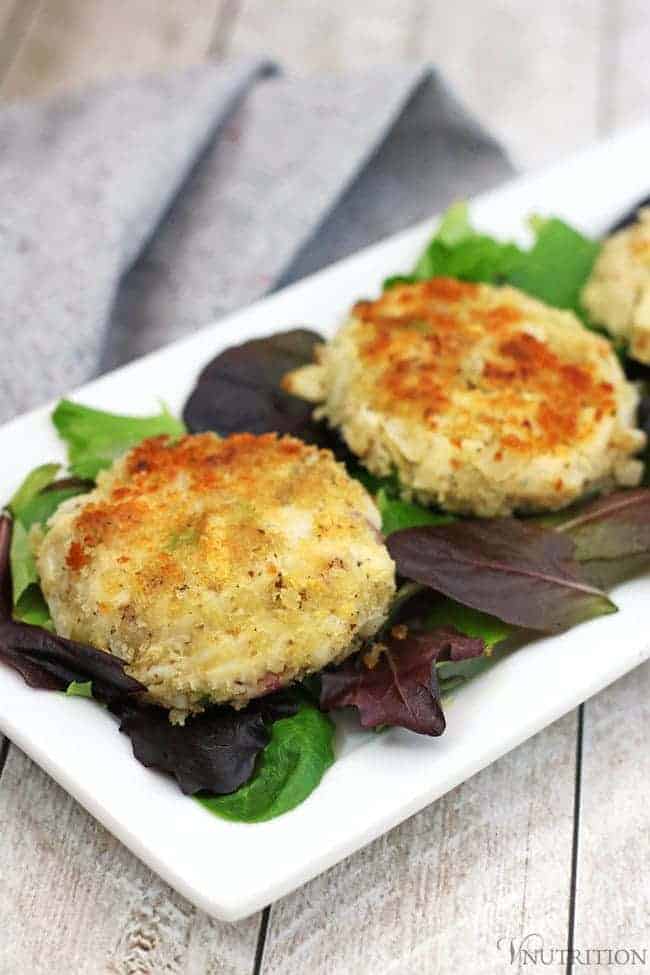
552,839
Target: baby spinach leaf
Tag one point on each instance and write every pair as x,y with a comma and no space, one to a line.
522,573
95,438
288,770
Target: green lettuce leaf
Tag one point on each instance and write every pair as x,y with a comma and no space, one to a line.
397,514
23,566
38,479
458,251
445,612
80,689
95,439
454,673
554,269
372,483
32,608
558,265
36,500
40,508
289,769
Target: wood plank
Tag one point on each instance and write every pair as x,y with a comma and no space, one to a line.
7,7
72,44
625,81
613,868
490,860
612,904
16,17
312,37
529,71
74,900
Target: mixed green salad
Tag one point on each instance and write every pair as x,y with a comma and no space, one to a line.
470,589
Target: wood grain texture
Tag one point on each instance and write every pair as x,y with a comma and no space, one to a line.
625,76
529,71
613,890
71,44
309,36
493,858
16,18
489,860
612,902
74,901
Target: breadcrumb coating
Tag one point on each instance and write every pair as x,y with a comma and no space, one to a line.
617,295
482,400
217,569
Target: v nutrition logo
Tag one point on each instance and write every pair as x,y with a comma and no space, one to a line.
530,951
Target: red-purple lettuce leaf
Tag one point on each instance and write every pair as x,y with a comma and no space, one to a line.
214,751
291,766
611,536
52,662
402,688
644,423
240,390
519,572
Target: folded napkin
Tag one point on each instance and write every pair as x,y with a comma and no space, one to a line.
136,213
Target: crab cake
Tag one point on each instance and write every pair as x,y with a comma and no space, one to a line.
217,569
617,295
481,399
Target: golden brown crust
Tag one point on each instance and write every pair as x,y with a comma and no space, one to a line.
237,471
617,295
482,399
219,568
416,340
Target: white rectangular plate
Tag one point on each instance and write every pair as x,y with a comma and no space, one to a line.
229,869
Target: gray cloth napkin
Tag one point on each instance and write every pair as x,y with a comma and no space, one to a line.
134,214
